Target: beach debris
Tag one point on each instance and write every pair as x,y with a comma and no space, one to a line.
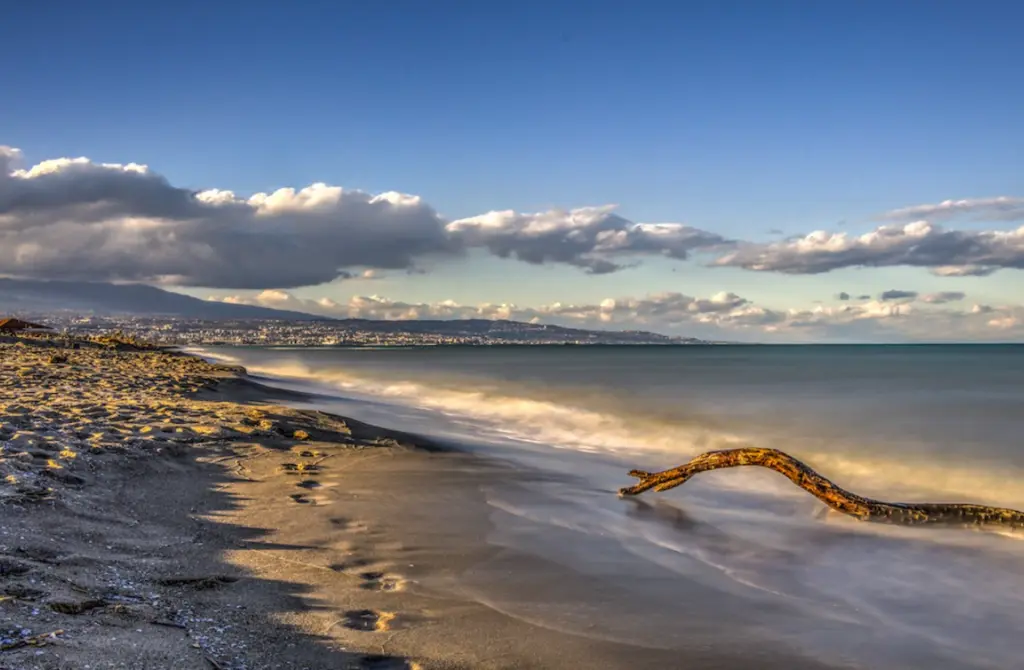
300,435
19,641
836,497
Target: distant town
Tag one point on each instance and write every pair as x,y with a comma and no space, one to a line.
347,332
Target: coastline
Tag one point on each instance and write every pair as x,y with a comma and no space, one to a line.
163,511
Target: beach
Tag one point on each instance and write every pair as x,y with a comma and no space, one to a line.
740,564
162,511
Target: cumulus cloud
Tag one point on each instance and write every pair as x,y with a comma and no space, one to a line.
75,219
79,220
980,209
589,237
919,244
72,218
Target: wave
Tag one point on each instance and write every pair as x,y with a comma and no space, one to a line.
592,423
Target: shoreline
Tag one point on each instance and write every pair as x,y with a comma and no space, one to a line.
163,511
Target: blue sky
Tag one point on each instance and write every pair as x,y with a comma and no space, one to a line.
738,118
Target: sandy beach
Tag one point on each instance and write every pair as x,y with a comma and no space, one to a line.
162,511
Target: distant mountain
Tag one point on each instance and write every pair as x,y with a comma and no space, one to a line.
505,330
19,295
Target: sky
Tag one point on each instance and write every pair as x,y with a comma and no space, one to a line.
748,170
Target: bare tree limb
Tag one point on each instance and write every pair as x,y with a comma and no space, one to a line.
836,497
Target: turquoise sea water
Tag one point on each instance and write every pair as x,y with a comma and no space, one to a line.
929,423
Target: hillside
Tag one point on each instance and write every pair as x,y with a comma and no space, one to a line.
18,295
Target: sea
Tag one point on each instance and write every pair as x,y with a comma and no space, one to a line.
739,552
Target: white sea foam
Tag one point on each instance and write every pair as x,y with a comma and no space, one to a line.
567,424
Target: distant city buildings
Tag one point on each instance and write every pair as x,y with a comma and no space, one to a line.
195,332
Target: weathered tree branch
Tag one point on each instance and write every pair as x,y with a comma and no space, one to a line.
836,497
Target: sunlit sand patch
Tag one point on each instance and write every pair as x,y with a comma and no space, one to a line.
349,525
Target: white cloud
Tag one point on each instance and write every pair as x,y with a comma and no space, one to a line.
71,218
75,219
915,244
980,209
1004,322
593,238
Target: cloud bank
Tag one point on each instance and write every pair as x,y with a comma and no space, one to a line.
722,316
78,220
74,219
919,244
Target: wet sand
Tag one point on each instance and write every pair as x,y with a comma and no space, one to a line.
159,511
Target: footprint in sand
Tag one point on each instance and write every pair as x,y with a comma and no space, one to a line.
300,468
380,581
349,526
368,620
351,564
304,499
378,662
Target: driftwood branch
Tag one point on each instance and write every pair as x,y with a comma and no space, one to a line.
836,497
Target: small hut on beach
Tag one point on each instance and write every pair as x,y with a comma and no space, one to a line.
11,326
